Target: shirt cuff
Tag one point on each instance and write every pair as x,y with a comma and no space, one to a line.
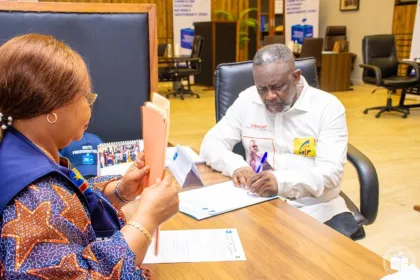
284,187
234,162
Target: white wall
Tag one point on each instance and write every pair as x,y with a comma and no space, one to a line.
373,17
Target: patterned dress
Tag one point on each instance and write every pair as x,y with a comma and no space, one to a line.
47,232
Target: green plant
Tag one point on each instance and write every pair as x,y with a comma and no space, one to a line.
244,23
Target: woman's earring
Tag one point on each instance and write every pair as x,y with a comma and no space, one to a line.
55,118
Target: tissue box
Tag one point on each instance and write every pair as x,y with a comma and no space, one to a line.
187,38
300,32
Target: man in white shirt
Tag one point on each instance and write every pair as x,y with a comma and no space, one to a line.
302,129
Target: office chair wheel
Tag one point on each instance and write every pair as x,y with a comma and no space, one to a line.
198,96
404,116
182,97
377,115
365,111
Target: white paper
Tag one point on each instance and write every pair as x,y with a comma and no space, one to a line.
217,199
409,273
170,152
278,7
183,168
210,245
118,169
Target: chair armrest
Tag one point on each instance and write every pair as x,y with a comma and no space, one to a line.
415,67
377,70
185,59
369,184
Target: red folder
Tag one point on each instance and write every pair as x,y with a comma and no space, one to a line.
155,135
155,116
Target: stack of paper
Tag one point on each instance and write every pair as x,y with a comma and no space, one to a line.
213,245
217,199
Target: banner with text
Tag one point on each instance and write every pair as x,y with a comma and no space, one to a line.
186,12
415,45
302,20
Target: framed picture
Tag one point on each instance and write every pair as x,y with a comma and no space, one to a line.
405,2
349,5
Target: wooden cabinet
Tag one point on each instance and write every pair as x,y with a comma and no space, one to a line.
271,21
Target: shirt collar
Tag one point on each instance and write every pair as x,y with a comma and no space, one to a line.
302,103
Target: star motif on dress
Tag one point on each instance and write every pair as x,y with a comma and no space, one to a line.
31,228
77,175
115,274
67,269
74,211
34,188
88,254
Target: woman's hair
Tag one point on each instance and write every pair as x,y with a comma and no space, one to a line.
39,74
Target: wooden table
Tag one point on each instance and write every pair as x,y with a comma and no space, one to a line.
280,242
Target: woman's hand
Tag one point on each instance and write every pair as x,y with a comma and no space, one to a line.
132,182
157,204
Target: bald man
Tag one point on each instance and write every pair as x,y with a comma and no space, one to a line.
302,129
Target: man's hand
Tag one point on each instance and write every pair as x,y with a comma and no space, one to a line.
264,183
241,176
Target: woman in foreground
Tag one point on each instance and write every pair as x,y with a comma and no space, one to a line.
54,224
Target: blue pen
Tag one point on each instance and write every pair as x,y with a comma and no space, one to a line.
263,160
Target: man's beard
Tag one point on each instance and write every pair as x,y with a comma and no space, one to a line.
282,106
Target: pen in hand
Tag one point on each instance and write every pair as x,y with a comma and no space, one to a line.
262,162
260,166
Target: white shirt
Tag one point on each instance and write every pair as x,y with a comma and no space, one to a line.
306,146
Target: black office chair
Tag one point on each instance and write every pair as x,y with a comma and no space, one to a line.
333,34
275,39
380,68
312,47
232,78
192,68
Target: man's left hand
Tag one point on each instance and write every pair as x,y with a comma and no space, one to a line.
263,183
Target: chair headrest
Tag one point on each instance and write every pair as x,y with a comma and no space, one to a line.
336,31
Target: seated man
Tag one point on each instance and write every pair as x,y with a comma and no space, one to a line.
302,129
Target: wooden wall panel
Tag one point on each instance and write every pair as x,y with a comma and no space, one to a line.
403,28
165,15
232,6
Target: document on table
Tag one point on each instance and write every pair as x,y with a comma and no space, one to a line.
217,199
208,245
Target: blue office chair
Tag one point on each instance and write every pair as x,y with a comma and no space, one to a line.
233,78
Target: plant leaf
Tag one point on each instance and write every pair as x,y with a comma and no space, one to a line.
225,14
246,11
243,41
251,23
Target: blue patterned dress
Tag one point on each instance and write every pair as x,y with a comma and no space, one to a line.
52,230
